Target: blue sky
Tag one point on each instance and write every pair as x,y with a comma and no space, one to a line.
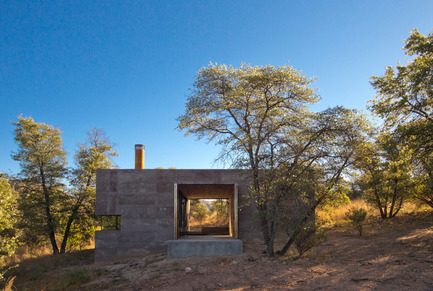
126,66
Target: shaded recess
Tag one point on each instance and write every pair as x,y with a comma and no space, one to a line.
184,193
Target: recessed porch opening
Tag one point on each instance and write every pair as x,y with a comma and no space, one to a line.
205,209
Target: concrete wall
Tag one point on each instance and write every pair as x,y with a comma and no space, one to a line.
145,201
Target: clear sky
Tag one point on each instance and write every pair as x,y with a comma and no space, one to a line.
126,66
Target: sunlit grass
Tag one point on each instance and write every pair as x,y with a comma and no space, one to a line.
411,207
335,216
24,253
213,219
330,216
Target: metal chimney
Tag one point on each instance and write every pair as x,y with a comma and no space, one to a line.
139,156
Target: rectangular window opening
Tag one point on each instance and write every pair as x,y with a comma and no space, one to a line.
110,222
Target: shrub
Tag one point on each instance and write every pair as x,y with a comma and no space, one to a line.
357,217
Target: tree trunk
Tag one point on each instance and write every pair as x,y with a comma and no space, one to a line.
50,223
265,230
427,200
394,198
379,205
68,226
270,247
398,207
73,216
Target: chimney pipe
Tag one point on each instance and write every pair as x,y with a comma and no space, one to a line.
139,156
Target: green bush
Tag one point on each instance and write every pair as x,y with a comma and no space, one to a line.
357,217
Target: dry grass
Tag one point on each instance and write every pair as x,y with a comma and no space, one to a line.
329,216
25,253
28,268
414,208
335,217
213,219
57,271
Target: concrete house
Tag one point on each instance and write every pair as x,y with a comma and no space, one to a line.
151,206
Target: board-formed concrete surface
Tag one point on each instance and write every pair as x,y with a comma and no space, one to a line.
203,246
144,199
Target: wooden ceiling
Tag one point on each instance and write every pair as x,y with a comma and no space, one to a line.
195,191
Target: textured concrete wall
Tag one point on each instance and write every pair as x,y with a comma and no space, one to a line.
144,200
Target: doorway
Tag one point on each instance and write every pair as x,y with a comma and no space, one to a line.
188,198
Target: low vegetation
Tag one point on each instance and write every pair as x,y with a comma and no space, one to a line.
75,270
357,217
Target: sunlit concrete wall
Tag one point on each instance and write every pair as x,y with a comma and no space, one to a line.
145,201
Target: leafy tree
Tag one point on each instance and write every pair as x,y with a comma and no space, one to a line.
220,207
8,219
386,179
43,163
96,153
335,144
405,92
198,210
260,116
44,169
243,109
404,100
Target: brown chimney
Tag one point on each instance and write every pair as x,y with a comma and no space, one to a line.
139,156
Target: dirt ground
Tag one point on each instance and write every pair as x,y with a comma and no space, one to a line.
393,254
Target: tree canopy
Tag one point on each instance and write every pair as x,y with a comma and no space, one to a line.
8,219
404,93
261,117
52,196
404,100
43,162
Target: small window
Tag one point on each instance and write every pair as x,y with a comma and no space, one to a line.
110,222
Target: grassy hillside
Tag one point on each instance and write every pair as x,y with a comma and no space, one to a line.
392,254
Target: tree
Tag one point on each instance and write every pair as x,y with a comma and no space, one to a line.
242,109
44,171
43,163
8,219
336,143
220,207
198,210
386,180
96,153
260,116
404,100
